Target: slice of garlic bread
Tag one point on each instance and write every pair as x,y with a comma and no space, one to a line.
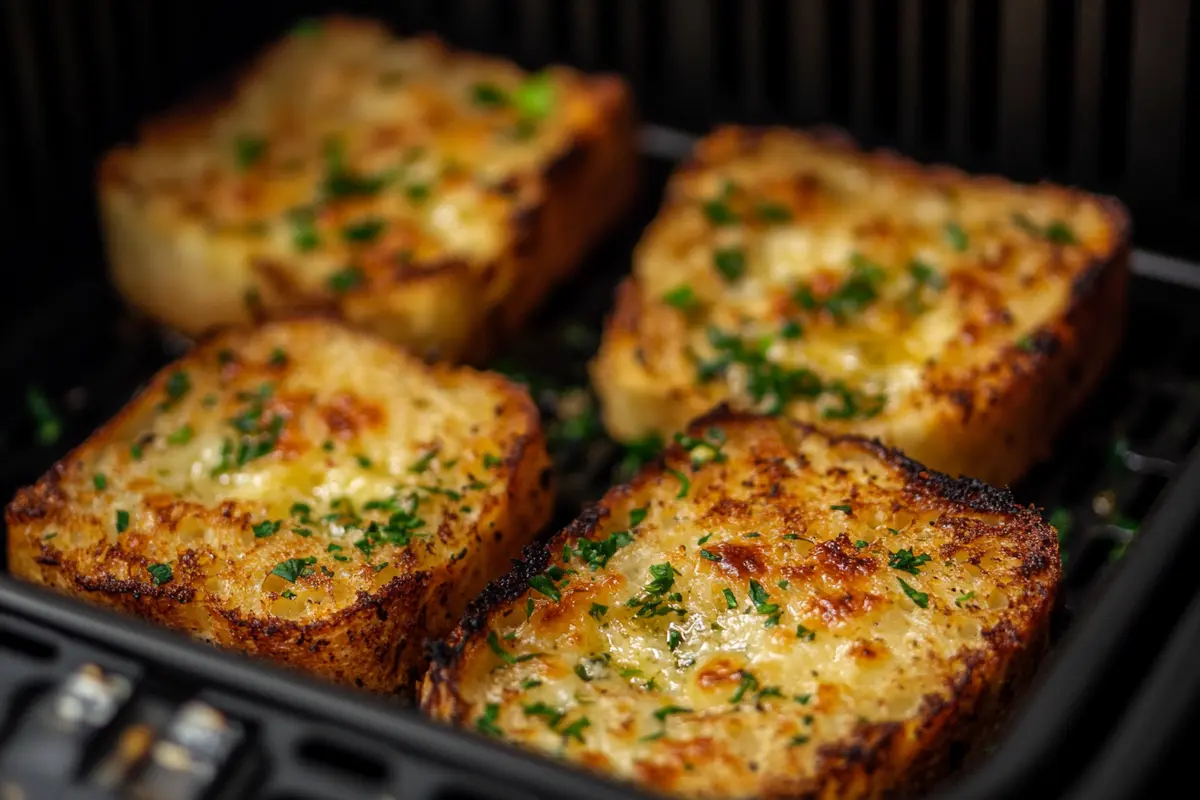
429,195
303,492
960,319
767,612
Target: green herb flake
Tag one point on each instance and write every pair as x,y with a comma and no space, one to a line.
179,383
122,521
684,484
682,297
100,481
704,538
791,330
160,573
181,435
543,585
718,212
798,740
905,561
528,607
490,461
860,544
748,684
730,262
730,599
530,683
805,634
768,211
845,509
294,568
597,611
670,711
920,598
486,723
345,280
249,150
535,98
956,237
964,598
421,464
488,95
575,729
1026,344
266,528
637,515
363,231
783,584
709,555
288,594
305,237
674,639
494,644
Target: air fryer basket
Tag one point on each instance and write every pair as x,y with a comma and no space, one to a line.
1097,94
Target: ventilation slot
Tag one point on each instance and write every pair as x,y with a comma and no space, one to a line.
337,758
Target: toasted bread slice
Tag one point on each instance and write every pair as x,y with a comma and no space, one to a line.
767,612
960,319
429,195
303,492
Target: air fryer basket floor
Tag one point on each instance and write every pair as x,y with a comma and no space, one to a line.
84,355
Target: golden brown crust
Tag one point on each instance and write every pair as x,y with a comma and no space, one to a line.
500,217
857,687
975,370
359,420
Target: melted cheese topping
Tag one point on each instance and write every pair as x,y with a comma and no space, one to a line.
874,275
286,471
347,159
768,607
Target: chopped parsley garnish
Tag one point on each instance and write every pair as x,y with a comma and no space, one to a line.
905,561
674,639
762,604
490,461
100,481
362,460
597,610
528,607
964,598
748,684
668,711
955,236
249,150
704,538
181,435
160,573
294,568
493,643
486,724
681,297
530,683
305,236
718,212
301,510
730,599
783,584
766,381
345,280
488,95
341,181
266,528
684,484
552,715
925,275
1056,232
768,211
535,97
703,450
279,357
730,262
421,464
1025,344
798,740
307,532
861,543
920,598
597,553
653,601
257,437
576,728
288,594
805,634
845,509
791,330
543,585
592,667
48,425
636,516
122,521
711,556
178,385
417,192
365,230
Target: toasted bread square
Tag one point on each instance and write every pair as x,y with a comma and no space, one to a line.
958,318
429,195
769,612
302,492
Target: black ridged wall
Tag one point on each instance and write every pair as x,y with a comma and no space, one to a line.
1101,93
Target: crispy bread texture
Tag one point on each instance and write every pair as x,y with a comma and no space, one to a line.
302,492
961,319
769,612
429,195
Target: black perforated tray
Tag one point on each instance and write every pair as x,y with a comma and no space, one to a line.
1121,475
